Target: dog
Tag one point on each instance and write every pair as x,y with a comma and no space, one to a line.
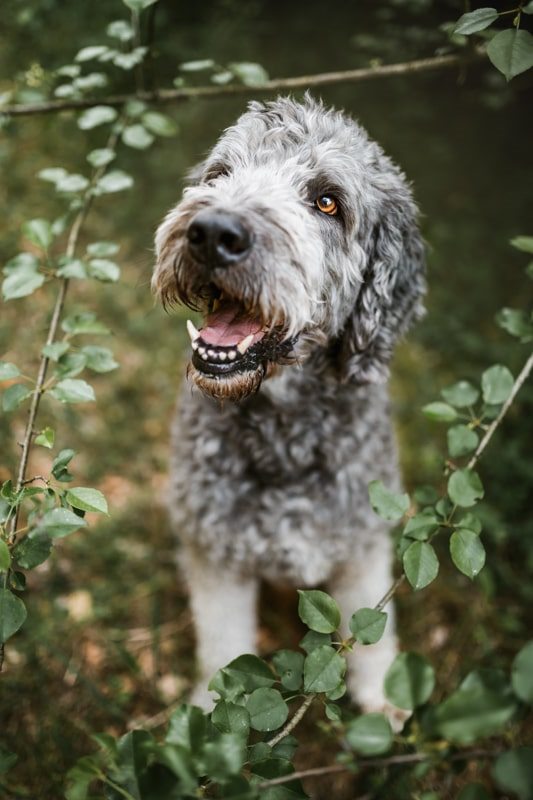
298,242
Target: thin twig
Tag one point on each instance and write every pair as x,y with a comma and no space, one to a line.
283,84
293,722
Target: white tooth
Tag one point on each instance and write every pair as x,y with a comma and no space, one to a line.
211,353
191,330
243,345
222,355
204,355
232,355
202,351
194,345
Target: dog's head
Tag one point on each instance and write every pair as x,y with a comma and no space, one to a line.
297,232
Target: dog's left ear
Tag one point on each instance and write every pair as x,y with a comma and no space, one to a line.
390,297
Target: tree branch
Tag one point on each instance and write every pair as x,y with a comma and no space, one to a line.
293,722
279,84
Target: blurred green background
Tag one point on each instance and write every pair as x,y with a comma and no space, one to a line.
108,641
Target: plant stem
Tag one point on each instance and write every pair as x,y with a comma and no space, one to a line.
293,722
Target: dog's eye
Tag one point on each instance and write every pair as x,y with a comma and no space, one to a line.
327,204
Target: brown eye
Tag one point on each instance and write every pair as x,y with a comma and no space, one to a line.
327,205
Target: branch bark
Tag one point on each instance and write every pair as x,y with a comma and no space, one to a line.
280,84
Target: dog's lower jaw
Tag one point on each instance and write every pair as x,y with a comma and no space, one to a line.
235,386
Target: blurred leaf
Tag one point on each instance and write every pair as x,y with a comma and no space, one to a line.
461,440
32,550
139,5
72,268
101,157
187,728
388,505
496,382
421,564
368,624
5,556
21,283
523,243
471,522
85,322
197,66
60,522
39,232
465,488
467,552
323,669
511,52
121,30
312,640
461,395
97,115
104,270
73,390
60,463
90,53
52,174
8,371
289,665
7,760
21,261
129,60
318,611
15,395
474,791
46,438
475,21
12,614
513,772
114,181
249,73
370,734
102,249
516,322
522,674
409,681
440,412
137,136
267,709
159,124
99,359
87,499
72,184
225,756
250,672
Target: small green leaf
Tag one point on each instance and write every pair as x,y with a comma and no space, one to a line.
72,268
421,564
15,395
114,181
83,323
422,525
21,283
60,463
104,270
137,136
8,371
312,640
249,73
440,412
475,21
318,610
39,232
523,243
471,522
60,522
522,674
101,157
87,499
461,440
368,624
250,672
46,438
12,614
5,557
56,350
289,666
121,30
370,734
513,772
33,550
467,552
324,669
72,390
409,681
231,718
102,249
496,383
461,395
159,124
333,712
97,115
516,322
465,488
129,60
90,53
52,174
197,66
99,359
26,261
511,51
388,505
267,709
71,184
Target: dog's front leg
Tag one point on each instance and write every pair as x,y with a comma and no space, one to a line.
223,605
359,584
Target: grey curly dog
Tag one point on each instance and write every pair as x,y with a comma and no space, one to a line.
298,242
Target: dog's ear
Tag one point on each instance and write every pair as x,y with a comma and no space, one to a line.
393,283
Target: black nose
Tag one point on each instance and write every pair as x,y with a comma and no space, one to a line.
218,238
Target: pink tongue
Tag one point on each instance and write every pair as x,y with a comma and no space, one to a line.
228,326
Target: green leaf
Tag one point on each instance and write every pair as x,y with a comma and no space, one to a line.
129,60
231,718
83,323
104,270
467,552
333,712
121,30
90,53
87,499
56,350
21,283
475,21
289,665
461,440
461,395
465,488
15,395
73,390
46,438
197,66
137,136
440,412
318,610
21,261
421,564
312,640
516,322
8,371
388,505
250,672
522,673
102,249
114,181
471,522
52,174
7,760
159,124
225,756
60,463
523,243
60,522
474,791
370,734
72,268
409,681
12,614
99,359
187,727
249,73
368,624
97,115
39,232
5,556
422,525
511,51
33,550
267,709
72,184
528,8
496,384
513,772
101,157
324,669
